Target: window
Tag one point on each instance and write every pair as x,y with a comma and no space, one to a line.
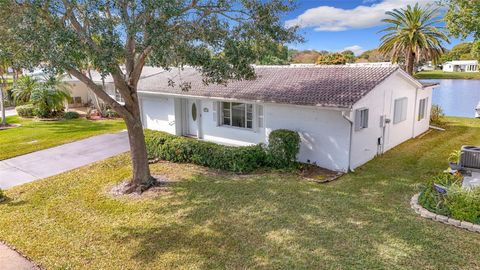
361,119
422,108
400,110
237,114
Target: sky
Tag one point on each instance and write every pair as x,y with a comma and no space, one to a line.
337,25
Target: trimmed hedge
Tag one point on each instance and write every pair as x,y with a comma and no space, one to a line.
241,159
283,148
26,111
71,115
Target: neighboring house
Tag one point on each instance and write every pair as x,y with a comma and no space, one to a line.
461,66
344,115
427,66
371,64
82,96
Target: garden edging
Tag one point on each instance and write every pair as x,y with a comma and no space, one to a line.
440,218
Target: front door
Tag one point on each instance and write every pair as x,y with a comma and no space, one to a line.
192,115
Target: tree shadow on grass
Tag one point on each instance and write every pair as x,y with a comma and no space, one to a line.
363,220
280,223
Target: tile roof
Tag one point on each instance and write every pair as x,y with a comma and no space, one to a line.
329,86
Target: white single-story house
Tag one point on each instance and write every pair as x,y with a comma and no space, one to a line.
461,66
344,115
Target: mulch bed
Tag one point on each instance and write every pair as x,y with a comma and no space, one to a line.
160,188
318,174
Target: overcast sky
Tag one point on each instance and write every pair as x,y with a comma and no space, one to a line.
336,25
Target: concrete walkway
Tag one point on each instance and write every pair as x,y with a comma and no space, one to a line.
52,161
11,260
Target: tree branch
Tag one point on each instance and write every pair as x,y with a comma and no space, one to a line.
98,90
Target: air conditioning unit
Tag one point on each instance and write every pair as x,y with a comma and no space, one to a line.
470,157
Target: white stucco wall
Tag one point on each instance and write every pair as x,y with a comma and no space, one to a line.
380,101
158,113
324,133
423,125
79,89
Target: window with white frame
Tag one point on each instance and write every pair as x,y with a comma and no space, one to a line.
422,109
237,114
400,110
361,119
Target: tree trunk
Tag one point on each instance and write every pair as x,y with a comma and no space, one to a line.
2,103
410,61
142,179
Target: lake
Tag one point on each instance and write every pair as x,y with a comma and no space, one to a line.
456,97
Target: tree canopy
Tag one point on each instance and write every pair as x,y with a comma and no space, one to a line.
117,37
414,34
463,18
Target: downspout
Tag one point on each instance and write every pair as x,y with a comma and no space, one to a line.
344,115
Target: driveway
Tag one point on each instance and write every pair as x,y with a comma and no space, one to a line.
52,161
10,112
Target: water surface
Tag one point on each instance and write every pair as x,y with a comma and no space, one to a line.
456,97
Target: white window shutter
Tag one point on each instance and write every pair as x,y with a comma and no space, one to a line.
260,116
365,119
358,117
404,109
215,112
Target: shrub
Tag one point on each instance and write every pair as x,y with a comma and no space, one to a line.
463,204
155,141
109,113
458,203
26,111
179,149
71,115
437,115
283,148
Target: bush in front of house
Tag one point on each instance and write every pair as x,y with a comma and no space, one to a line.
437,116
26,111
71,115
283,148
164,146
458,203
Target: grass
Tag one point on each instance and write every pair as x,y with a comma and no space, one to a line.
34,135
439,74
211,220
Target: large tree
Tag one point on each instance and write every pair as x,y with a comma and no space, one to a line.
413,33
119,36
463,18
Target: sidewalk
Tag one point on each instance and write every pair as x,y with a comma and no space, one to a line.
11,260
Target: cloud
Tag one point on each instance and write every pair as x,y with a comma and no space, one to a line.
357,50
327,18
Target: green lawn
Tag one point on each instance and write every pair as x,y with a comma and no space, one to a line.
439,74
34,135
209,220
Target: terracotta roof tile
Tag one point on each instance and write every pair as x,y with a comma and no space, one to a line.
330,86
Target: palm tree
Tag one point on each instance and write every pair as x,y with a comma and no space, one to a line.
24,88
49,98
413,33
